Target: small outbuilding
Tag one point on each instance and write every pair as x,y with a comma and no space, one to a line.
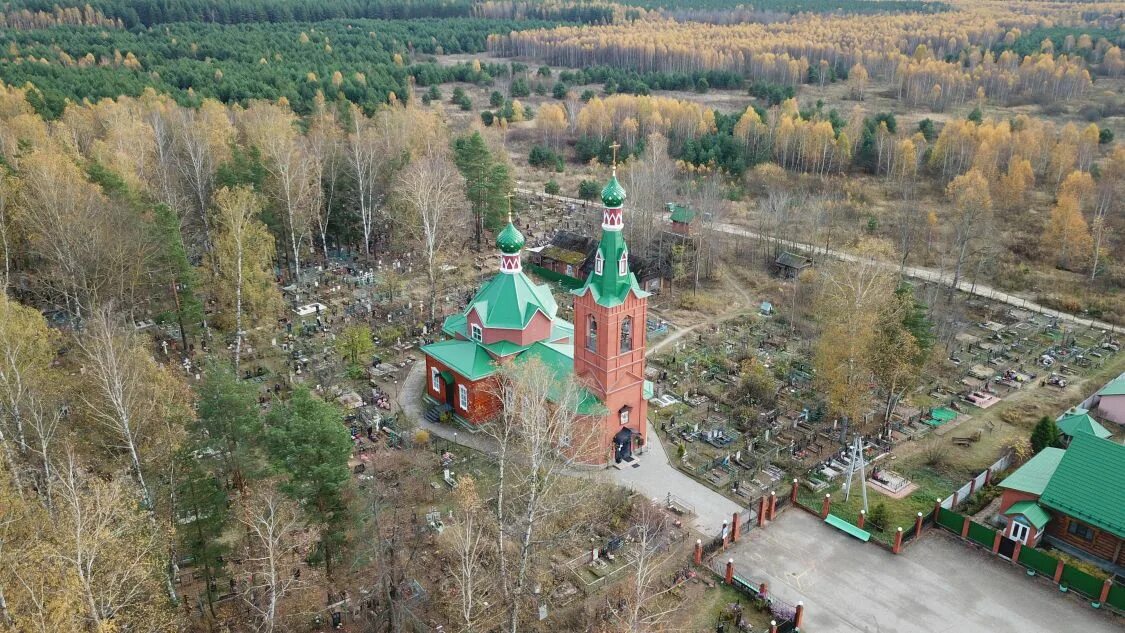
789,264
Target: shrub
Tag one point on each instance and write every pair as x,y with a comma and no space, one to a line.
496,99
935,452
421,437
588,190
552,188
877,518
1105,136
559,91
1045,434
519,88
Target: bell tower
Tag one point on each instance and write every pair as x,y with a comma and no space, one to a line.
609,328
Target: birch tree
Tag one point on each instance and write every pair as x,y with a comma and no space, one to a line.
324,145
271,522
431,193
27,347
241,261
470,544
363,157
972,218
203,138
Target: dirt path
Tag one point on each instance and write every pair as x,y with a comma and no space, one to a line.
718,318
915,272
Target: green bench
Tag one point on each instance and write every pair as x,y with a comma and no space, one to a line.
847,528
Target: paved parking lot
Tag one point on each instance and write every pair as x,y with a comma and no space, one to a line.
938,584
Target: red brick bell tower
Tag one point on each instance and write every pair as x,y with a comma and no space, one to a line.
609,337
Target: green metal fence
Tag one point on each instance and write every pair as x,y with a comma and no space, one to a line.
1116,597
981,535
1077,580
951,521
565,281
1038,561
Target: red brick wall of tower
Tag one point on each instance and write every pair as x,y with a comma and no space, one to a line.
615,376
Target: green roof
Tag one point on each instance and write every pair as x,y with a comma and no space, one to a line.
611,287
454,324
682,214
613,194
509,301
559,358
1089,484
510,240
1081,423
1033,476
464,357
1116,387
1032,511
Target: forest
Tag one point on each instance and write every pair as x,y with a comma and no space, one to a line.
177,176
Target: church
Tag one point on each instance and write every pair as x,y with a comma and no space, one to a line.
512,317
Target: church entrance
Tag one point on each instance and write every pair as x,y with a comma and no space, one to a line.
623,445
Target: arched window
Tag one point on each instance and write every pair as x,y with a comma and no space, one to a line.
591,334
623,263
599,263
627,334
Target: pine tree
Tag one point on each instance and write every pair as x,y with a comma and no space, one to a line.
1045,434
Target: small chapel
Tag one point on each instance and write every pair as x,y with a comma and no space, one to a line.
513,317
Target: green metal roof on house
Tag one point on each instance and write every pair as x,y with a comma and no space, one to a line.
464,357
1089,484
1035,514
454,324
561,329
1116,387
559,358
682,214
509,301
1082,423
1033,476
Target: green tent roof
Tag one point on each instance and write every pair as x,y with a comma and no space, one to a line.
464,357
1116,387
611,287
1033,476
509,301
1035,514
559,358
1089,484
682,214
1082,423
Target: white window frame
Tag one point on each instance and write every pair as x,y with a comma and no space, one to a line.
435,379
624,416
476,332
463,397
1024,531
599,263
623,263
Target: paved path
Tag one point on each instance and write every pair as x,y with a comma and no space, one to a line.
938,585
916,272
654,478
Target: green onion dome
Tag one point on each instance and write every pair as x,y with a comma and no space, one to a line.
613,195
510,240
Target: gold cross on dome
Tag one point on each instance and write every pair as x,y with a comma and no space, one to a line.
509,197
614,147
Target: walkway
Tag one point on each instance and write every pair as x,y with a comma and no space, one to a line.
915,272
654,478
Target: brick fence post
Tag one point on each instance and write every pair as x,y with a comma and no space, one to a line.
1059,571
799,615
918,525
761,512
897,548
1016,552
937,510
698,557
1105,590
996,543
763,590
736,527
726,535
773,505
730,571
862,519
773,626
965,527
988,476
826,506
793,493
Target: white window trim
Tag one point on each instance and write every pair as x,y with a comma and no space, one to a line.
599,263
463,397
624,417
476,332
435,379
1023,531
623,263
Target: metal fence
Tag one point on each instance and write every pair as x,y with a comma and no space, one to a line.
976,483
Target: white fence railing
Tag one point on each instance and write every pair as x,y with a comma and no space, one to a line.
976,483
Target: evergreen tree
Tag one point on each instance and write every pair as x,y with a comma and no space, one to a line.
1045,434
487,182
